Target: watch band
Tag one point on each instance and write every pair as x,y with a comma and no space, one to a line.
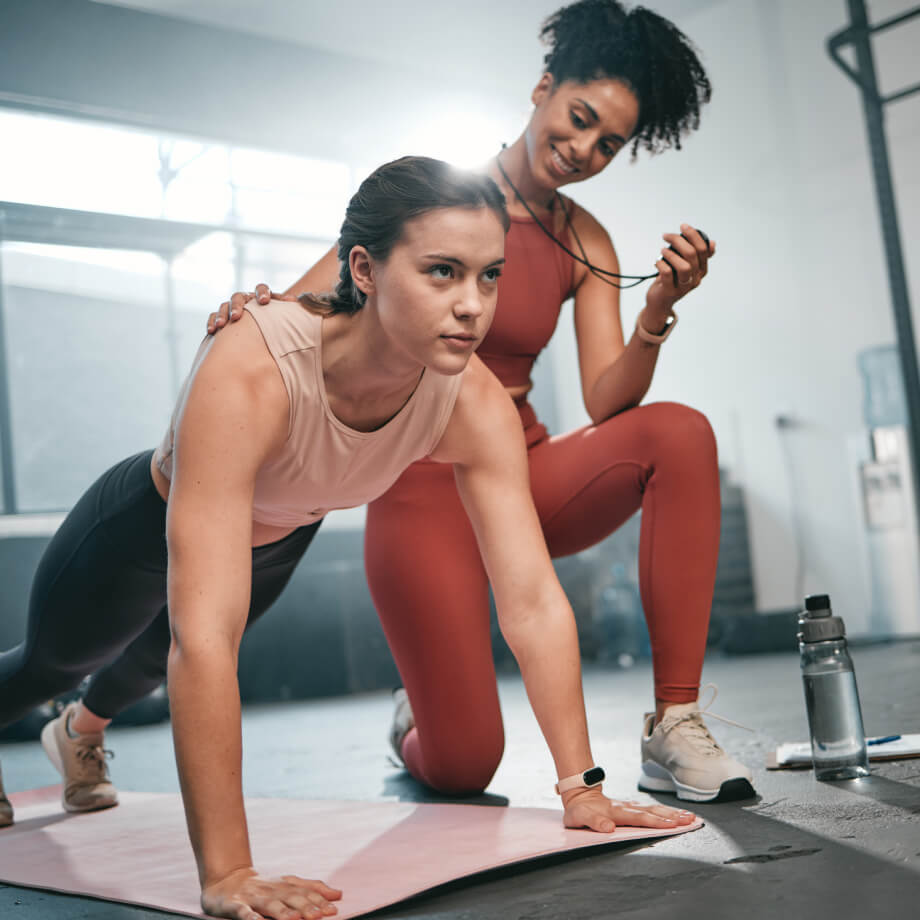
650,337
593,776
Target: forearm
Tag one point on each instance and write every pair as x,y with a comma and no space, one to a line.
297,288
321,277
545,644
205,712
625,382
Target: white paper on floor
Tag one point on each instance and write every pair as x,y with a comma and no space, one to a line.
378,853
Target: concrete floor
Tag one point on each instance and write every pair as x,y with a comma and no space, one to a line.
801,849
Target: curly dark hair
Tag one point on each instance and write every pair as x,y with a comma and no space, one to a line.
598,39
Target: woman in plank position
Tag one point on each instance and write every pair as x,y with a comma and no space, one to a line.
612,79
171,554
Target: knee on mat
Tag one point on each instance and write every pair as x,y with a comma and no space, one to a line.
466,771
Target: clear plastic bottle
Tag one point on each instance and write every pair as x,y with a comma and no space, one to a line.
838,741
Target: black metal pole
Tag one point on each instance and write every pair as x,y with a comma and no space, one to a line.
873,108
6,426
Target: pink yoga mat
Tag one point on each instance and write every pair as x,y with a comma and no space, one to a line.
378,853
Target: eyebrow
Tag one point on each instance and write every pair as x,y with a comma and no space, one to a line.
596,117
440,257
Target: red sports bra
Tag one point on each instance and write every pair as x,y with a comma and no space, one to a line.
537,279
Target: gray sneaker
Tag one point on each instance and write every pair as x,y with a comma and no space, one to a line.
403,721
6,810
680,756
81,762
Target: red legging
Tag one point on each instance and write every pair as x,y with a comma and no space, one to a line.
431,591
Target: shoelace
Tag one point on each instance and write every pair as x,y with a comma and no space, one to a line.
95,755
695,726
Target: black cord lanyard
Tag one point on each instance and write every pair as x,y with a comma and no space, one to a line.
604,274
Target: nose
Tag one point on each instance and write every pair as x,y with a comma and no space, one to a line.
579,149
470,304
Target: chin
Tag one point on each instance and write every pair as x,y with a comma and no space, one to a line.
449,365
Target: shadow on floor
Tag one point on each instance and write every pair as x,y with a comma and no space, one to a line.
406,789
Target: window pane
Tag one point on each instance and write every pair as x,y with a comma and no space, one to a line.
99,340
80,165
87,369
290,193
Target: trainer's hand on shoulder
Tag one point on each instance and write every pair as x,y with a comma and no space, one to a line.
590,808
231,310
246,895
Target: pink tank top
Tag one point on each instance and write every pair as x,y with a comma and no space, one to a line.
537,278
324,464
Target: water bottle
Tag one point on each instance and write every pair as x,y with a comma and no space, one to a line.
838,742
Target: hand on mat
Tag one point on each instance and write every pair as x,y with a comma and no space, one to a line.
682,266
245,895
590,808
231,310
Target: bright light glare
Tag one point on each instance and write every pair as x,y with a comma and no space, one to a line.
81,165
67,163
127,260
461,135
201,189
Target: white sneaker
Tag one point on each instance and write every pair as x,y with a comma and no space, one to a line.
80,759
403,721
6,809
680,755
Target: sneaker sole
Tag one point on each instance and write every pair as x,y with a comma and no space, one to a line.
401,725
655,778
50,746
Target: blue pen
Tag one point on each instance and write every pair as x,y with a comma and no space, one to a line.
883,740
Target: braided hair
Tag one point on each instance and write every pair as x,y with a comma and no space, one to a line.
389,197
599,39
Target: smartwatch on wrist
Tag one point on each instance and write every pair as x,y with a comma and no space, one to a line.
655,338
593,776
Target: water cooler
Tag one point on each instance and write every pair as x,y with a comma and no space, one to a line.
888,496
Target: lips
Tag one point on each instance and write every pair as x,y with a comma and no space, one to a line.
561,163
460,340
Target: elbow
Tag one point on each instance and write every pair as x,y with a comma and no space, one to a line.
530,626
600,409
598,416
595,413
191,650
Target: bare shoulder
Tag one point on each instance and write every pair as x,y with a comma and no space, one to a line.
594,237
586,225
483,418
240,356
236,383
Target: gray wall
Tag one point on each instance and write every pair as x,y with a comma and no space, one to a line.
99,61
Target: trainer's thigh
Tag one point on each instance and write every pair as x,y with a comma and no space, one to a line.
431,592
588,482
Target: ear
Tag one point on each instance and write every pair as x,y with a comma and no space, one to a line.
543,89
361,266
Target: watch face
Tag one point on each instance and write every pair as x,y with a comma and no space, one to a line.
594,776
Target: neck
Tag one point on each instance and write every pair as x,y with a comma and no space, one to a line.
520,180
360,365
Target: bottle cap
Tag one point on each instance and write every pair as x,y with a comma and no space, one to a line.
818,605
821,628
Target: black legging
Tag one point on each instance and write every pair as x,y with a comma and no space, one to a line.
98,602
